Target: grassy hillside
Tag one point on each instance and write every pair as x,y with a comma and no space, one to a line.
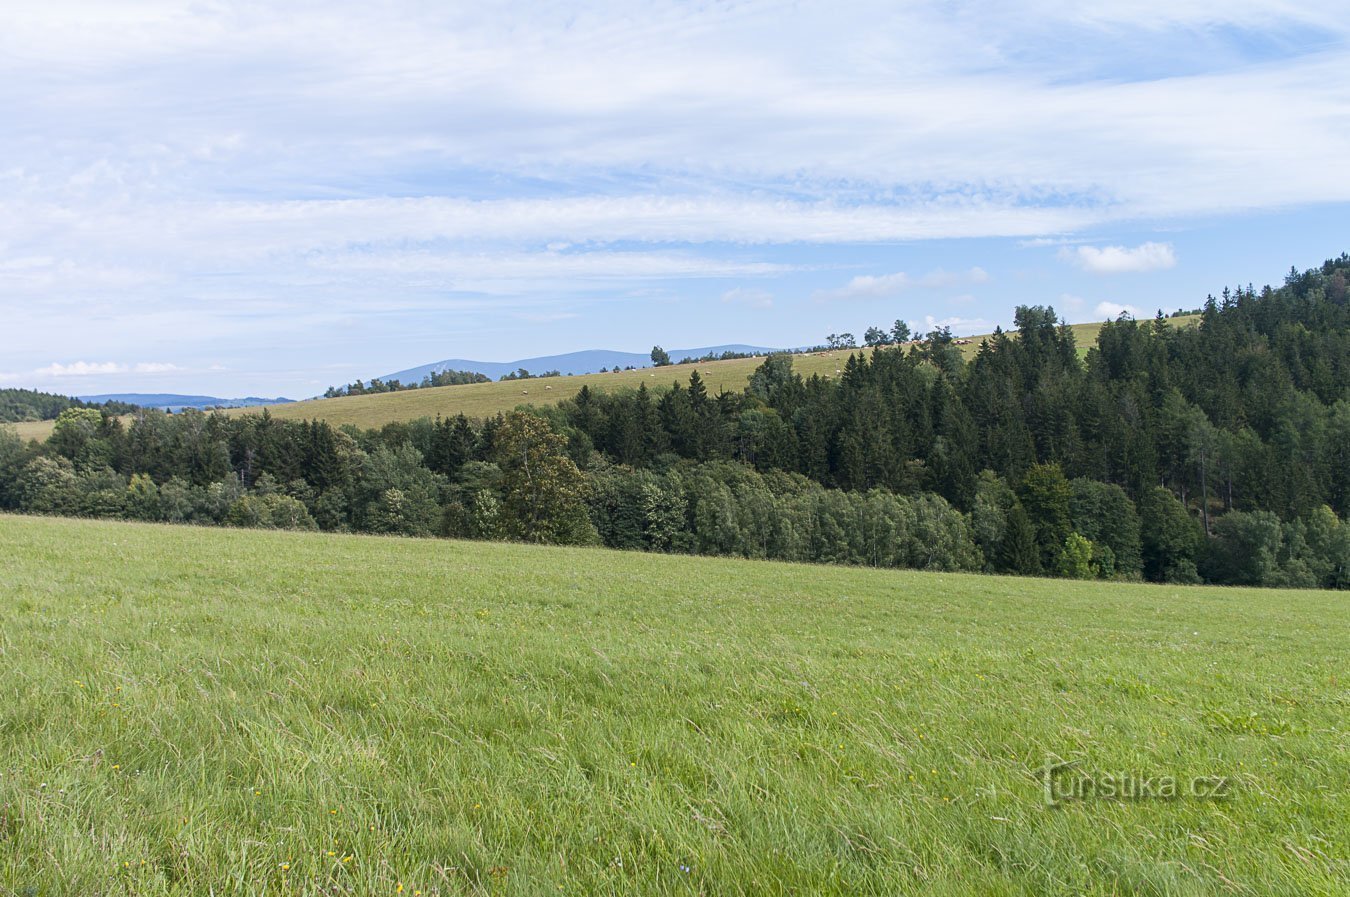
195,711
479,400
487,399
33,429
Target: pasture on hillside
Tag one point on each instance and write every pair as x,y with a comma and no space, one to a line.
194,711
481,400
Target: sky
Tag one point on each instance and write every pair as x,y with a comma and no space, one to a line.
235,197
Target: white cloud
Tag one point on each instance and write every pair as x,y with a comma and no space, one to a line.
867,286
177,173
487,271
941,279
750,296
1120,259
960,326
95,368
80,369
1109,311
884,286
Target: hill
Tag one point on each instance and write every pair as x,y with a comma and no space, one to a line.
298,713
175,402
586,362
486,399
479,400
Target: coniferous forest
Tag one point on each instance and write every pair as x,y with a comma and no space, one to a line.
1218,452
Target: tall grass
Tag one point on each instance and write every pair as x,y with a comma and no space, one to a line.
198,711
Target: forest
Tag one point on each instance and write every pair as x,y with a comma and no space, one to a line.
1214,453
28,404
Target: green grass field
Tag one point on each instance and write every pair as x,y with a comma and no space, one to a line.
201,711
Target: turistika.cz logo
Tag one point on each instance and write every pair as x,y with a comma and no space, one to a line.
1063,781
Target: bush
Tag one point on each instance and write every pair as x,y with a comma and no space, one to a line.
1245,550
1075,560
272,511
1171,538
48,485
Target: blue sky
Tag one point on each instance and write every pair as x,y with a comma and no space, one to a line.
235,198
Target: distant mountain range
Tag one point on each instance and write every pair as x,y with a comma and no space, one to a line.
587,362
175,403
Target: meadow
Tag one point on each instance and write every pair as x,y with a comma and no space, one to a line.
214,711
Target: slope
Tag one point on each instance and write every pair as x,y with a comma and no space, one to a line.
191,710
585,362
486,399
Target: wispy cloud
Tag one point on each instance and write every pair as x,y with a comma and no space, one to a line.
960,326
1121,259
1111,310
868,286
754,298
544,317
93,368
181,172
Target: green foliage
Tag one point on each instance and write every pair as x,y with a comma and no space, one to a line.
1104,514
660,357
377,386
142,500
103,493
1018,552
989,515
398,494
1076,558
410,514
273,511
1246,548
1256,548
76,436
544,491
772,377
523,374
453,378
1045,496
27,405
1171,538
13,457
727,509
48,485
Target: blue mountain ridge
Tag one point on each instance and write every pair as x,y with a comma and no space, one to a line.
175,402
584,362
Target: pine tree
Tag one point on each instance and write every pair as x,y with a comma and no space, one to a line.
1019,552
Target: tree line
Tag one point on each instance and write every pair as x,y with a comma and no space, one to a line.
1216,453
377,386
29,404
